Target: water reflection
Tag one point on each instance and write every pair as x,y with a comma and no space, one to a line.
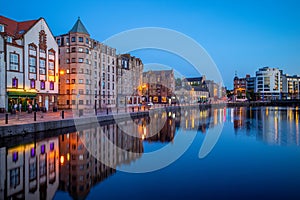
71,161
273,125
30,171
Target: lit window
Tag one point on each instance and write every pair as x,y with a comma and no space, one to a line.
15,82
43,85
51,85
32,84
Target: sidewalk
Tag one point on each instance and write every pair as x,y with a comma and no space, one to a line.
27,118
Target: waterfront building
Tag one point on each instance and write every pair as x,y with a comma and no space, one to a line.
193,90
129,80
159,86
268,83
291,86
239,87
29,64
87,71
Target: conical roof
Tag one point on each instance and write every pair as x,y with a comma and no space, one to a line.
79,28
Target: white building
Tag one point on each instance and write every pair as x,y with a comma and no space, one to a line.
30,63
268,83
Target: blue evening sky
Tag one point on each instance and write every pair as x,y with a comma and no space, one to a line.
239,35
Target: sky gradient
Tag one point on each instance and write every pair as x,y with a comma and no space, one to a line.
240,36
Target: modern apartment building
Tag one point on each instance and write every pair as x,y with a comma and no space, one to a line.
268,83
159,86
129,80
87,71
29,64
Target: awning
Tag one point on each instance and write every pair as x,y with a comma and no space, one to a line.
17,94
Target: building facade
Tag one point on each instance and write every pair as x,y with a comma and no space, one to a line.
129,80
87,71
268,83
159,86
29,64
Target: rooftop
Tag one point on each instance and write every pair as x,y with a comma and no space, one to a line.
79,28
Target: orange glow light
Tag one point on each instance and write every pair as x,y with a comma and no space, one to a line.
62,159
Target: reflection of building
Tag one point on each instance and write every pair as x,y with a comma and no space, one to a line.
87,70
30,73
88,157
129,75
160,86
271,124
32,170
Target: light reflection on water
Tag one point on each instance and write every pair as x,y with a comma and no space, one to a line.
61,166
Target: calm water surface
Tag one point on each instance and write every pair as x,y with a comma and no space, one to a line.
256,157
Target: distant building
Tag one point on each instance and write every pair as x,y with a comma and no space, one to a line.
290,86
268,83
129,80
193,90
87,71
239,87
29,64
160,86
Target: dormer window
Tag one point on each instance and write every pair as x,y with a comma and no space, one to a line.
1,28
9,39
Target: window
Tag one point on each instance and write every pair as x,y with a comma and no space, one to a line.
32,84
68,102
42,66
51,68
80,81
73,60
68,61
73,49
68,40
81,71
95,55
9,39
68,50
14,177
87,61
80,49
113,69
42,166
51,85
42,85
73,81
32,171
87,51
80,91
68,81
67,91
58,41
87,102
14,62
80,102
32,65
1,28
87,40
108,77
73,70
80,60
15,82
108,68
80,39
73,39
73,91
73,102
